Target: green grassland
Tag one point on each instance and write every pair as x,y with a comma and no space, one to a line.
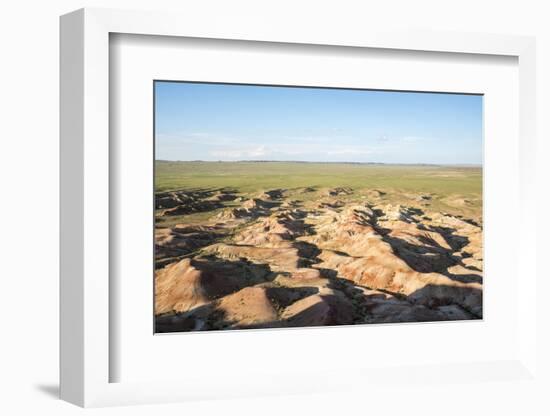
453,189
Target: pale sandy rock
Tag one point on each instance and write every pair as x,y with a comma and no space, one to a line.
285,258
188,283
318,310
247,307
178,288
293,281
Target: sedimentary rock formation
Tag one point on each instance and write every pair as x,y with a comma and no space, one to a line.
271,263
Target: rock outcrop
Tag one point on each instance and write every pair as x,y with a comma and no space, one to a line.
269,263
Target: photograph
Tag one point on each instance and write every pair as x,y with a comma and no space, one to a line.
299,206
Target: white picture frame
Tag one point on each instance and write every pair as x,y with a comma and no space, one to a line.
85,209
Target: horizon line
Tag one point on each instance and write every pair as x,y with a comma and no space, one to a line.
321,162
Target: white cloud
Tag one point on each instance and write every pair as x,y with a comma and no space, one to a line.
197,138
199,145
244,153
290,150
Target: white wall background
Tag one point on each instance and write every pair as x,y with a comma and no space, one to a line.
29,210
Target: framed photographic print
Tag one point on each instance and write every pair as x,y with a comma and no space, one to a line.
297,212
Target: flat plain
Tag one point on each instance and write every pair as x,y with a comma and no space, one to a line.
292,244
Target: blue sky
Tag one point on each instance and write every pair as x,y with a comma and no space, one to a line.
240,122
